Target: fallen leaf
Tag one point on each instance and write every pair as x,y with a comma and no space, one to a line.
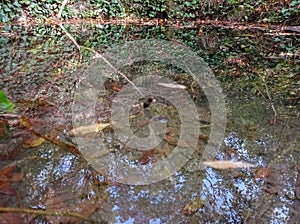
6,188
8,217
227,164
3,129
203,137
66,202
33,142
84,130
147,156
193,206
113,86
170,139
6,171
7,177
172,85
262,173
230,151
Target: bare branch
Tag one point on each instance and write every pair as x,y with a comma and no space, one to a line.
97,54
46,213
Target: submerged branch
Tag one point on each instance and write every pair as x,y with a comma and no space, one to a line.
48,213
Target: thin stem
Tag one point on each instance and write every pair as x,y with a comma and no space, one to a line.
97,54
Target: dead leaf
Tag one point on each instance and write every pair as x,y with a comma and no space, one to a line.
6,188
3,129
33,141
66,202
7,177
262,173
230,151
113,86
171,139
84,130
8,217
203,137
7,171
193,206
147,156
227,164
172,85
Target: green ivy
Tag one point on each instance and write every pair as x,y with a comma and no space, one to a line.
5,104
9,10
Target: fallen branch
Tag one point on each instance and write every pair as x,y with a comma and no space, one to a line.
97,54
49,213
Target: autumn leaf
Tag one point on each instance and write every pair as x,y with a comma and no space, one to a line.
10,218
147,156
61,201
193,206
84,130
227,164
262,173
7,177
33,142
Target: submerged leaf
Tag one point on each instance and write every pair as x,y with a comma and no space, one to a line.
84,130
193,206
227,164
172,85
147,156
7,177
262,173
33,142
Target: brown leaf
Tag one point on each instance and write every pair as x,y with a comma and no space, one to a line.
193,206
7,177
15,177
3,129
262,173
227,164
64,201
170,139
8,217
6,188
203,137
147,156
7,171
32,142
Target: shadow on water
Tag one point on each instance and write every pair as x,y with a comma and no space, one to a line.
53,178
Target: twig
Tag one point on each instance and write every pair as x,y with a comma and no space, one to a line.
63,4
269,97
9,116
48,213
97,54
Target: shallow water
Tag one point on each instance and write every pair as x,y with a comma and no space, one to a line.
57,178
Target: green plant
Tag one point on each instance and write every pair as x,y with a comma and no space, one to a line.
108,9
5,104
293,9
9,10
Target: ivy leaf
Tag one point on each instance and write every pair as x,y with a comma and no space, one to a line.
5,104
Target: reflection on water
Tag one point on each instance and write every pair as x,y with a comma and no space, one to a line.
54,178
190,195
57,179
